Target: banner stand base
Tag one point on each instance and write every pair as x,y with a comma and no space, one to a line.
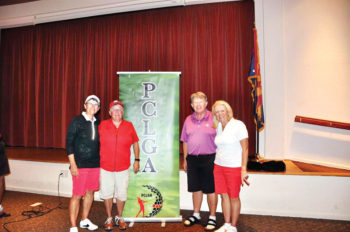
161,220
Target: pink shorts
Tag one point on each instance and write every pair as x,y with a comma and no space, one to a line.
88,179
227,180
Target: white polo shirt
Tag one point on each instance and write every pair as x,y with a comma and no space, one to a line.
229,149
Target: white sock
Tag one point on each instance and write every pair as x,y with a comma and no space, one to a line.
197,215
234,229
73,229
227,225
212,217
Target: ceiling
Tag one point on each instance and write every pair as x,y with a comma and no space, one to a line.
18,13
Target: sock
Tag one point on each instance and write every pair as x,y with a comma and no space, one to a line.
212,217
227,225
74,229
234,229
117,218
197,216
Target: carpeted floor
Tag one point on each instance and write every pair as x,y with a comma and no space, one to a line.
24,219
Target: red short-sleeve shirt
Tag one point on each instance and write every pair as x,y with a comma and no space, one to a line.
115,144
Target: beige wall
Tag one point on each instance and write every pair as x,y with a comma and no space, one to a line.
279,195
306,59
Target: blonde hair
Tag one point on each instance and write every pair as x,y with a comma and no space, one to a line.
228,109
200,95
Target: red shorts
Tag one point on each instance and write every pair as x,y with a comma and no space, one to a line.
88,179
227,180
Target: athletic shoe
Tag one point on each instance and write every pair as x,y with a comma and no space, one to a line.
87,224
120,223
232,229
222,229
108,224
225,228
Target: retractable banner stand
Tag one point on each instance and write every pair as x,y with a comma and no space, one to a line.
151,103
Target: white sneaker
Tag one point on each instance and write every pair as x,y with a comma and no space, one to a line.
223,228
87,224
73,229
231,229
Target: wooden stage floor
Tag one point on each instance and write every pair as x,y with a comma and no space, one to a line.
59,156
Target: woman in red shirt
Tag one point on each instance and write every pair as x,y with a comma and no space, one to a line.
116,137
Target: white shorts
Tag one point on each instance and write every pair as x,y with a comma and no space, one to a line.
114,184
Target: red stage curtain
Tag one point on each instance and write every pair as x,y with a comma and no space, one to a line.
48,70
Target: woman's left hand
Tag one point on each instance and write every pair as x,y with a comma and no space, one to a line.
244,177
136,166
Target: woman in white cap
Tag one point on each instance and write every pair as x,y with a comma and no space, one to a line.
82,146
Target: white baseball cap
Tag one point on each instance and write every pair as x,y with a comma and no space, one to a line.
93,97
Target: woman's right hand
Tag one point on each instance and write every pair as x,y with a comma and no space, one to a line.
244,177
74,170
185,165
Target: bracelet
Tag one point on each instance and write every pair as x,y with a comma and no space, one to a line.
137,160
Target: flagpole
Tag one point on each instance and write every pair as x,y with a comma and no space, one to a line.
257,155
257,140
254,78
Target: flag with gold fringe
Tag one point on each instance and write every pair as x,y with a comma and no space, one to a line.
254,79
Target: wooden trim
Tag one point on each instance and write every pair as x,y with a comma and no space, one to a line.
53,155
322,122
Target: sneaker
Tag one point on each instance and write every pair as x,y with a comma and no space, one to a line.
87,224
73,229
108,224
222,229
231,229
120,223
